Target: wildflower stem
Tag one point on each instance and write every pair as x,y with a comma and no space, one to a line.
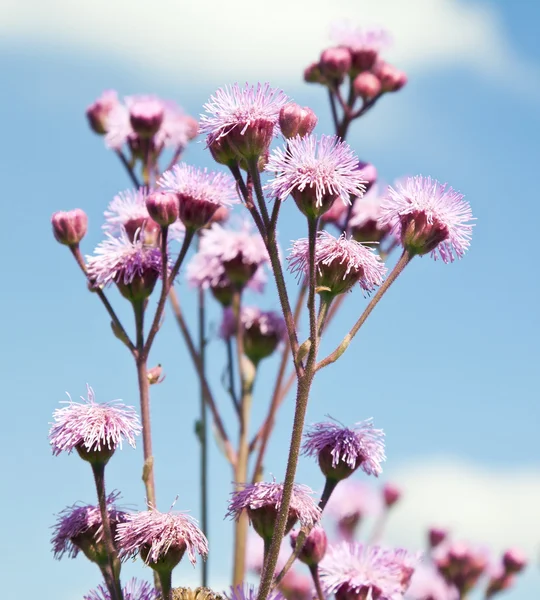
128,168
253,166
224,439
248,371
324,307
75,250
313,227
98,469
247,199
314,570
404,260
165,579
278,395
203,430
333,109
230,370
167,282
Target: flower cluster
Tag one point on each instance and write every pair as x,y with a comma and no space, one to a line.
133,590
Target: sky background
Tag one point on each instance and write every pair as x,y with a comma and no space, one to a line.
448,363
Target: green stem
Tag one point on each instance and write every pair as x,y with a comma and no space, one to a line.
246,197
203,433
314,570
404,260
324,307
165,578
98,470
230,375
253,166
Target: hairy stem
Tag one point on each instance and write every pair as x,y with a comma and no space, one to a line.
203,432
98,470
314,570
165,579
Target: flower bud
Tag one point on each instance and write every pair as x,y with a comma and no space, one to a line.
146,117
140,287
514,560
314,547
252,139
312,74
98,112
95,456
221,215
367,86
422,233
363,59
295,586
163,207
154,375
335,62
295,120
391,79
436,536
143,227
391,494
222,151
69,227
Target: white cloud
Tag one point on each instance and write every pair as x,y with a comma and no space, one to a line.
248,39
496,507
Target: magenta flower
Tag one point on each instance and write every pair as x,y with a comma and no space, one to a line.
341,450
161,537
245,119
352,570
131,264
79,527
428,217
427,583
91,427
314,547
69,227
200,192
133,590
262,502
461,564
98,112
315,172
340,263
249,592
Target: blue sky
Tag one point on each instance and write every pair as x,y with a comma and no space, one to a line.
447,364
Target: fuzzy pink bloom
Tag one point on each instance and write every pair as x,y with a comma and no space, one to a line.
427,584
133,590
352,570
153,534
428,217
76,521
93,426
348,35
315,171
340,263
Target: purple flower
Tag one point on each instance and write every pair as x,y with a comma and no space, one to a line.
249,592
131,264
92,427
133,590
200,192
160,537
352,570
428,217
246,117
128,211
315,172
340,263
342,450
79,527
262,502
427,584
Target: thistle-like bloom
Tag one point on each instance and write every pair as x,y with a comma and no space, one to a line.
133,590
315,172
352,570
262,502
249,592
93,429
241,122
340,263
200,192
161,539
341,450
263,330
79,527
428,217
127,210
134,266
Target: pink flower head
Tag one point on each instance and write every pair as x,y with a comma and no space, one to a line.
200,192
353,570
93,428
364,44
315,172
428,217
161,538
351,502
365,223
69,227
340,263
249,592
131,264
98,112
245,119
427,583
79,527
341,450
461,564
263,331
314,547
127,210
262,501
133,590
